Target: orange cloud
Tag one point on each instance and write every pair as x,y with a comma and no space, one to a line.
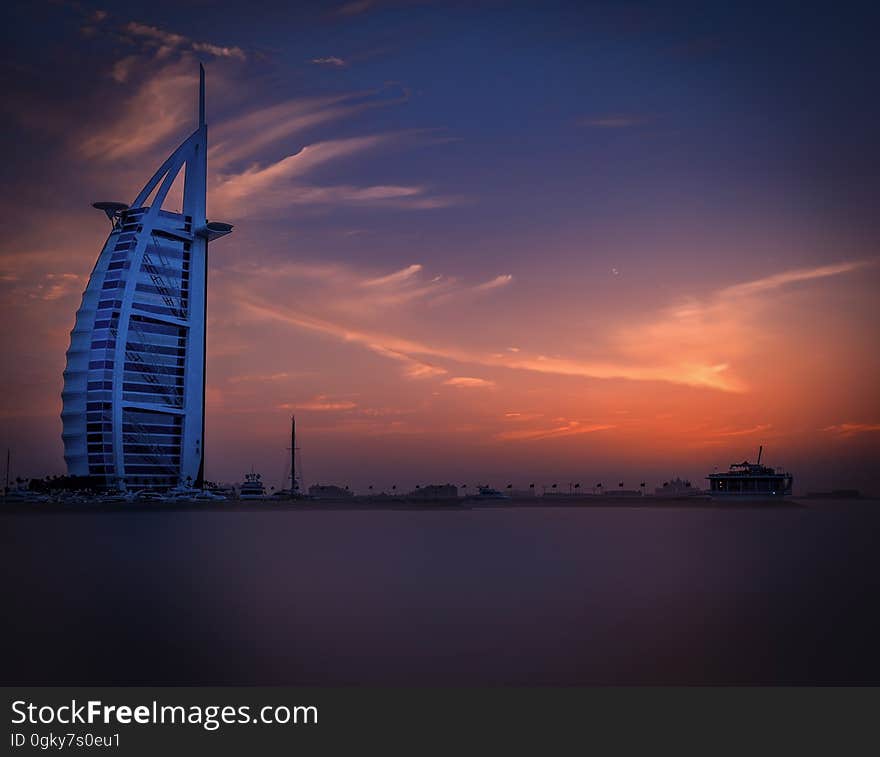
261,191
793,276
849,429
394,278
400,349
244,137
261,378
703,342
569,428
745,431
708,336
414,369
321,403
499,281
469,382
167,95
57,285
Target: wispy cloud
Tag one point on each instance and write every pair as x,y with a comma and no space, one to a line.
262,190
399,349
569,428
321,403
499,281
412,368
161,106
406,349
261,378
247,181
123,68
676,348
165,41
57,285
695,373
745,431
366,292
261,185
160,36
793,276
515,416
708,336
159,72
268,126
219,51
850,429
469,382
397,277
332,61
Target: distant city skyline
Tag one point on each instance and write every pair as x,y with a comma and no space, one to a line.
475,243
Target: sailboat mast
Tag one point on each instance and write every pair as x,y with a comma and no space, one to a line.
292,453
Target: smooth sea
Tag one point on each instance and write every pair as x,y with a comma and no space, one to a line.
527,595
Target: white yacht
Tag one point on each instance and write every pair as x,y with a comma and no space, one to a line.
206,495
252,487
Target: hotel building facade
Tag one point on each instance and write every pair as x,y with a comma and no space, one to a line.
134,387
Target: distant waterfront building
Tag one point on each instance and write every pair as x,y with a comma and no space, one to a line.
328,491
434,491
134,386
676,488
836,494
520,493
747,479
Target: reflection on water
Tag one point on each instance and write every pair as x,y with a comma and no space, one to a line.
519,596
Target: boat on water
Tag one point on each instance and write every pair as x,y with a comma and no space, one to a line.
181,493
747,480
487,492
20,496
186,494
252,487
206,495
147,495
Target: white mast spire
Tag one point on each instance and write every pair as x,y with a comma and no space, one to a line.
201,95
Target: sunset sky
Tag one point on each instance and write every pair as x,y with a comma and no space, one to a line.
479,242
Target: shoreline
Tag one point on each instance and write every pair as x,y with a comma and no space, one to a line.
369,504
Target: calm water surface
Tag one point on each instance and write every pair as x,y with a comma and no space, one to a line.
494,596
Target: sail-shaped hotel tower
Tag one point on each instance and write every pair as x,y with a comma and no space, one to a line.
134,387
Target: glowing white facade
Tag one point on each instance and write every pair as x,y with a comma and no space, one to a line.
134,386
